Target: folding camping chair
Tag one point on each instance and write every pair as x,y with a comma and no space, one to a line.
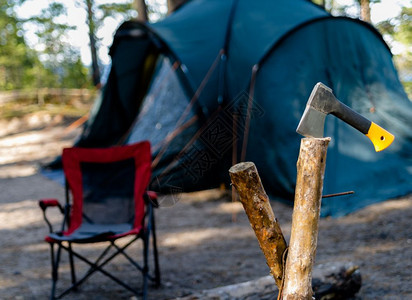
106,199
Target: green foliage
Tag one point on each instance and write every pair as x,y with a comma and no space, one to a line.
404,32
96,14
60,62
16,58
76,74
408,89
400,27
115,9
56,64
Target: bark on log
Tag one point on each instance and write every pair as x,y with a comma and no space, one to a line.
252,195
304,233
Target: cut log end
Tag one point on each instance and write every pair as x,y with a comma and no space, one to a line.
310,139
241,167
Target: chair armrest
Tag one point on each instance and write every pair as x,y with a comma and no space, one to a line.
151,197
45,203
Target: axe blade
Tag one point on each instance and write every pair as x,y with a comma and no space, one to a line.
312,123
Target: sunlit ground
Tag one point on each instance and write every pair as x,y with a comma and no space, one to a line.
26,143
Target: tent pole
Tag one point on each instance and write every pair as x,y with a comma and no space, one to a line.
249,111
234,158
190,105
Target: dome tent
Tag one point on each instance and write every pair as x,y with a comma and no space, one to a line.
217,82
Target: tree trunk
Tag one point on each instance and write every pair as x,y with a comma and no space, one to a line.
141,8
252,195
303,240
174,4
365,11
93,47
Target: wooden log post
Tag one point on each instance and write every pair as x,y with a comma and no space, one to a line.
304,233
252,195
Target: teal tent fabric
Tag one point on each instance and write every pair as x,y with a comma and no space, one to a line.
204,65
257,26
120,102
355,63
196,36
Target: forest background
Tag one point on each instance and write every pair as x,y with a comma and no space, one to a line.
40,63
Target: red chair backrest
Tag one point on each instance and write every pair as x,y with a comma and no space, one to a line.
105,201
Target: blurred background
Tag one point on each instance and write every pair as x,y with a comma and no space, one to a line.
48,46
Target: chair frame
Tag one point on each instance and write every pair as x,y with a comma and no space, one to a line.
147,232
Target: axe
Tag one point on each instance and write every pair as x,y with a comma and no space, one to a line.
322,102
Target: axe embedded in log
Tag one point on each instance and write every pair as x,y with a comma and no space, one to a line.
322,102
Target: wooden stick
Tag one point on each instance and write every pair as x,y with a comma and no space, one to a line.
305,219
252,195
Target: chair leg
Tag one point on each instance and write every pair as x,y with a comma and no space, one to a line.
53,272
155,254
55,259
72,269
145,271
99,264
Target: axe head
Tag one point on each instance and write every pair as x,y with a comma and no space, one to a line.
322,102
317,108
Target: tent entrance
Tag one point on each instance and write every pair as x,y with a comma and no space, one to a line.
165,102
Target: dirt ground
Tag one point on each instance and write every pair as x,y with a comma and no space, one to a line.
205,240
